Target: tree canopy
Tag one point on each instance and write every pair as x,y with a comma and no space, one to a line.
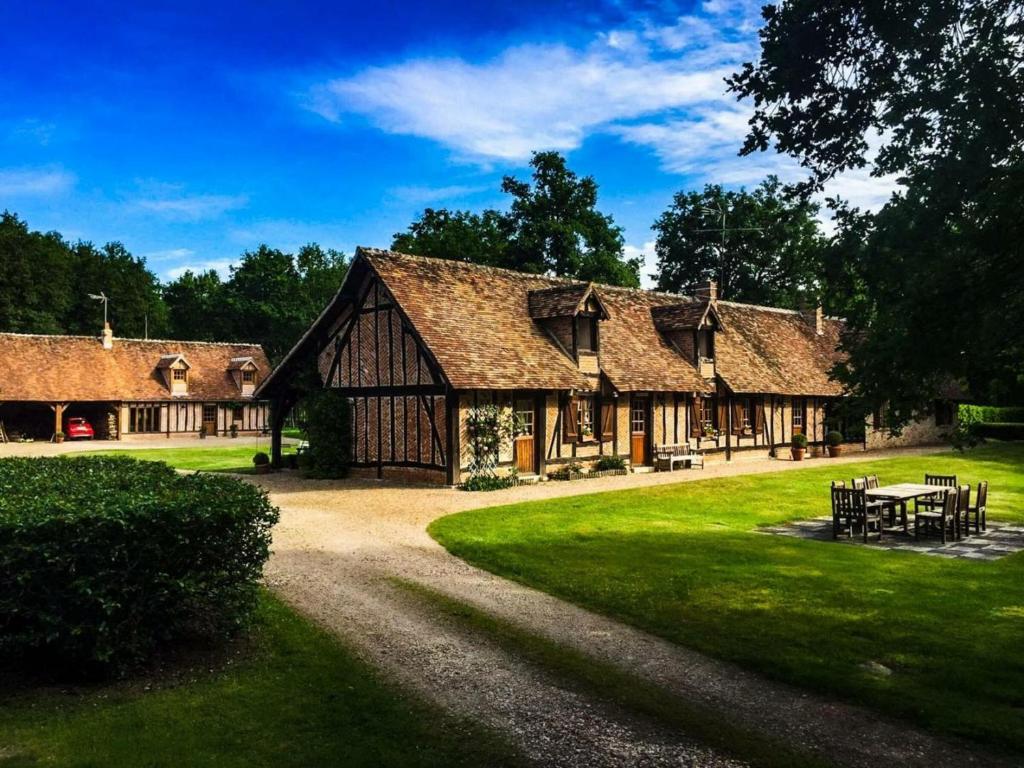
770,253
552,227
270,297
931,284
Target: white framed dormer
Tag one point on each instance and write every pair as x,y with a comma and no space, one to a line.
175,371
245,374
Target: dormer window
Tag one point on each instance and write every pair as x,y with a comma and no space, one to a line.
248,377
706,344
243,370
174,371
586,334
180,374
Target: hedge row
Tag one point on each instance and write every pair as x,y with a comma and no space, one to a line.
1000,430
103,560
990,414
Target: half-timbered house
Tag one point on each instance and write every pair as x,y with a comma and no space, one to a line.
588,370
130,388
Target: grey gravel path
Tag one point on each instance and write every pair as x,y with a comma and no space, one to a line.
339,544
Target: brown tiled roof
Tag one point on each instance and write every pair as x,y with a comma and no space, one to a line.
775,351
562,300
477,323
634,355
684,316
78,368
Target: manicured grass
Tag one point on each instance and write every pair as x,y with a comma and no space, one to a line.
293,432
295,697
217,458
684,562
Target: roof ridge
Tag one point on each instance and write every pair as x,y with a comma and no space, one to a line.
133,340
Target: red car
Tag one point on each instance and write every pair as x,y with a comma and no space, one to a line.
79,429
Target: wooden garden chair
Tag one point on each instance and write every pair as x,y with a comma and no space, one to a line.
840,520
963,503
943,519
978,510
936,500
854,507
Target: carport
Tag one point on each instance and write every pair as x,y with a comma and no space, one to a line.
41,420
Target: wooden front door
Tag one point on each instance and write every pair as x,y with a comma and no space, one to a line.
638,432
525,423
210,419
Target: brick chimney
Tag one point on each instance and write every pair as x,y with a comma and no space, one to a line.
815,318
708,291
107,337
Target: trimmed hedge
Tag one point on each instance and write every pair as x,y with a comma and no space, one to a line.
328,428
103,560
1001,430
990,414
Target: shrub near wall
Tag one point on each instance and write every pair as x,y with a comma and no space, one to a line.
328,424
104,560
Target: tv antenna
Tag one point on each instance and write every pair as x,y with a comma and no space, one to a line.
720,213
101,296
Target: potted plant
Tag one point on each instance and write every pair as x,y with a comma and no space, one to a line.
234,430
261,463
59,437
834,440
709,431
202,432
798,446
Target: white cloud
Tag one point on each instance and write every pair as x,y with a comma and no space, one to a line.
289,234
648,260
424,195
191,207
34,182
169,254
221,266
549,96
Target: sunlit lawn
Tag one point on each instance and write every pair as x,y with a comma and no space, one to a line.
217,458
293,697
684,562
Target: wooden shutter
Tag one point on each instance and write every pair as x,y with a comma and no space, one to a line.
722,415
606,428
737,417
696,428
569,420
759,416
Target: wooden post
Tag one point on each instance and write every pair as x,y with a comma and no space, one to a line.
728,431
453,450
540,428
279,408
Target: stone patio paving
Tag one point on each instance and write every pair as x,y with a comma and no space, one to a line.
998,541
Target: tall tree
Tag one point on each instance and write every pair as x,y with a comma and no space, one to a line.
136,306
933,280
552,227
36,278
557,228
479,238
321,273
770,252
195,306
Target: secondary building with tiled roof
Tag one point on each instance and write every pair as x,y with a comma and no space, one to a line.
129,387
586,370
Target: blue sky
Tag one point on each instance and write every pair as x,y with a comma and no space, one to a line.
196,131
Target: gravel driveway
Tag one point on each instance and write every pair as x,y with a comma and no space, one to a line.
340,545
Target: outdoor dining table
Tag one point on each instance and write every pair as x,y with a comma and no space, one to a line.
902,493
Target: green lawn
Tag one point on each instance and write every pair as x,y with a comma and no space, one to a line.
683,562
216,458
294,697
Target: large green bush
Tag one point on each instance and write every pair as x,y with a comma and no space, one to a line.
328,425
105,560
990,414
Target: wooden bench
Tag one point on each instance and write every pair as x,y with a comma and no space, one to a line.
667,456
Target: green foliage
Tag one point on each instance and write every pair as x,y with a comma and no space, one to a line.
776,261
799,440
567,471
260,459
834,438
481,482
931,284
290,695
606,463
989,413
1003,430
328,426
688,563
552,226
104,560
